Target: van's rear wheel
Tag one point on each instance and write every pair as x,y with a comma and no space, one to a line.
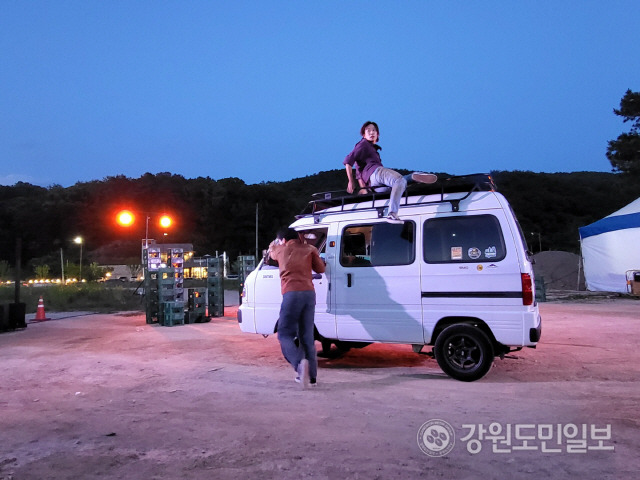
464,352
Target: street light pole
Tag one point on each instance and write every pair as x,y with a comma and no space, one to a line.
126,218
539,240
62,265
146,232
79,241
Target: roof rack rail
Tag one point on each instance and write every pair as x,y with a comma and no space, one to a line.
477,182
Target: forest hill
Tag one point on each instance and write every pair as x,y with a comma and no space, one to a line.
220,215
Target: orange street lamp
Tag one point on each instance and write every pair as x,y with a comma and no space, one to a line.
126,218
165,221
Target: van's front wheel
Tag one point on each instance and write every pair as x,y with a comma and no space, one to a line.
464,352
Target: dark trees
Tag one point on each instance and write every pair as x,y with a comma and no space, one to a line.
221,215
624,152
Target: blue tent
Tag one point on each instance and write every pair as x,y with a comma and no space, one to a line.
611,249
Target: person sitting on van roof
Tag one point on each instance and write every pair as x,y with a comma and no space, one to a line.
370,172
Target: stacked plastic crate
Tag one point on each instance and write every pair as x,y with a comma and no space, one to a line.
196,305
152,262
175,258
246,265
170,311
171,289
215,286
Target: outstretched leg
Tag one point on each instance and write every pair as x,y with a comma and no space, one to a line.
290,311
398,184
420,177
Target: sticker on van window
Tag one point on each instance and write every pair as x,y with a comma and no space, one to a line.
490,252
456,253
474,253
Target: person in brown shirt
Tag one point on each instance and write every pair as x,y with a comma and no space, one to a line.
296,260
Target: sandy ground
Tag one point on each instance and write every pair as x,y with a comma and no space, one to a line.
108,396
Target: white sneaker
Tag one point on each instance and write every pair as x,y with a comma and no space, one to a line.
424,177
303,373
394,218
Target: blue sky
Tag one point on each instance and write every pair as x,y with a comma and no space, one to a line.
275,90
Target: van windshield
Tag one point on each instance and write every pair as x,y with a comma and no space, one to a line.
316,237
313,236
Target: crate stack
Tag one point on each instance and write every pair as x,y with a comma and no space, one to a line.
170,310
152,262
196,305
175,258
164,286
246,265
215,286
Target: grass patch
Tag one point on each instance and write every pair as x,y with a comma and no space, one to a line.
90,297
93,297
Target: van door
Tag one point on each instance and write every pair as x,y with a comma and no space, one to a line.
268,296
377,283
324,318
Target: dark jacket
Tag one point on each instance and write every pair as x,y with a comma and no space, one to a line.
365,157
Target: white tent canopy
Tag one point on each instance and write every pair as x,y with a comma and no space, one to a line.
610,248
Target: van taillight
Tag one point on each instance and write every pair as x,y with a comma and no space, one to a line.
527,289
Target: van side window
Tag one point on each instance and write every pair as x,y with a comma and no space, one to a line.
476,238
380,244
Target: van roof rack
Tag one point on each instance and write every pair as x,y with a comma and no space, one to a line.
476,182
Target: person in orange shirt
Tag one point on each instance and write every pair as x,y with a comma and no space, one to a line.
296,259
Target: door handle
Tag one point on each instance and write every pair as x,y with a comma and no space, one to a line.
348,279
316,276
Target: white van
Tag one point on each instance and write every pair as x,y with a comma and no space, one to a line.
455,275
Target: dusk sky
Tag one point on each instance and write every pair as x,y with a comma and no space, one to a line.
275,90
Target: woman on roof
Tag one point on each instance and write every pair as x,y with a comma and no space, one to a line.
370,172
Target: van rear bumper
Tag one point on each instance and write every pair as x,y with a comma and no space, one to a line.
536,333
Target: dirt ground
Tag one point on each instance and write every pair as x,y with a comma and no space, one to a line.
108,396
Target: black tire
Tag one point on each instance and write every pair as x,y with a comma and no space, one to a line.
326,343
464,352
326,347
343,347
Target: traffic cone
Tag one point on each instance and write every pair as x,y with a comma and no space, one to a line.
40,315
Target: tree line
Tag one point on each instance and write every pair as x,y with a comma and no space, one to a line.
220,215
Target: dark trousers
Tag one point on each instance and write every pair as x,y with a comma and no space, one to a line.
296,320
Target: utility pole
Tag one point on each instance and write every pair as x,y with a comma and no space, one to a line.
62,265
257,256
17,270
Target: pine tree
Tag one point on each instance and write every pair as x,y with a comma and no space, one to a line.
624,152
